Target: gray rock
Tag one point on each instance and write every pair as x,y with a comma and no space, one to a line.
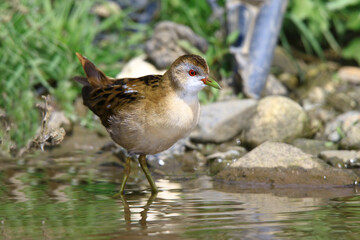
219,160
350,74
277,164
352,137
58,119
274,87
142,11
222,121
163,47
138,67
343,101
106,9
275,118
345,129
289,80
167,158
284,61
228,155
313,146
316,96
275,154
341,158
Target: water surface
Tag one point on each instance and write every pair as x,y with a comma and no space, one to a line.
189,209
66,193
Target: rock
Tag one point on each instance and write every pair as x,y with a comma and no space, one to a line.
58,119
275,118
106,9
167,159
284,61
138,67
80,109
289,80
228,155
277,164
275,154
56,136
350,74
323,114
142,11
352,137
274,87
341,158
218,164
53,127
163,47
345,129
313,146
317,95
344,101
219,160
221,121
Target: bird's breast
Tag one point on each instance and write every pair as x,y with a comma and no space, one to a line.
173,121
179,117
155,126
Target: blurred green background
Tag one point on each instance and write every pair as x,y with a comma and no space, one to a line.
39,38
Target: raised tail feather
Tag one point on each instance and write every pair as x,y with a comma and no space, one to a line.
95,77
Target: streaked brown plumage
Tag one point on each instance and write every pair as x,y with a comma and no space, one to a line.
147,115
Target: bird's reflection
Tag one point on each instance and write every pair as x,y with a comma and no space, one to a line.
143,213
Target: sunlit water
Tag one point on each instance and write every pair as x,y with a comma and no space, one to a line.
191,209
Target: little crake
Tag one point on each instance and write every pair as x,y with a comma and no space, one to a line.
147,115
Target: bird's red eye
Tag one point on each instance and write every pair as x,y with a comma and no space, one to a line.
192,72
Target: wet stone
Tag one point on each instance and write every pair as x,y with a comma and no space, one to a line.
219,160
168,160
286,177
276,154
282,164
313,146
216,165
228,155
341,158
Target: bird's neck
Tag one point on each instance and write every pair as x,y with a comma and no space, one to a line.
188,97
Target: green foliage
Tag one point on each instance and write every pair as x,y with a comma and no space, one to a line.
38,41
352,50
320,24
192,13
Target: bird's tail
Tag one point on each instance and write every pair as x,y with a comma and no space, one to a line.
95,77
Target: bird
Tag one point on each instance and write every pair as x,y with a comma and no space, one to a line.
148,114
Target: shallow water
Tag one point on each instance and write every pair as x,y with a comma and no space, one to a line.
191,209
66,193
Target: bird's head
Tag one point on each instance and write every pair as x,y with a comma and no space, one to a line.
190,73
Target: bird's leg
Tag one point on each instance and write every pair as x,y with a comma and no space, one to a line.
142,161
127,171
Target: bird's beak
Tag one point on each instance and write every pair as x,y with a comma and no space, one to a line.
211,83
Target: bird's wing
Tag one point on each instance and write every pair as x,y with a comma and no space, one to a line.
119,94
